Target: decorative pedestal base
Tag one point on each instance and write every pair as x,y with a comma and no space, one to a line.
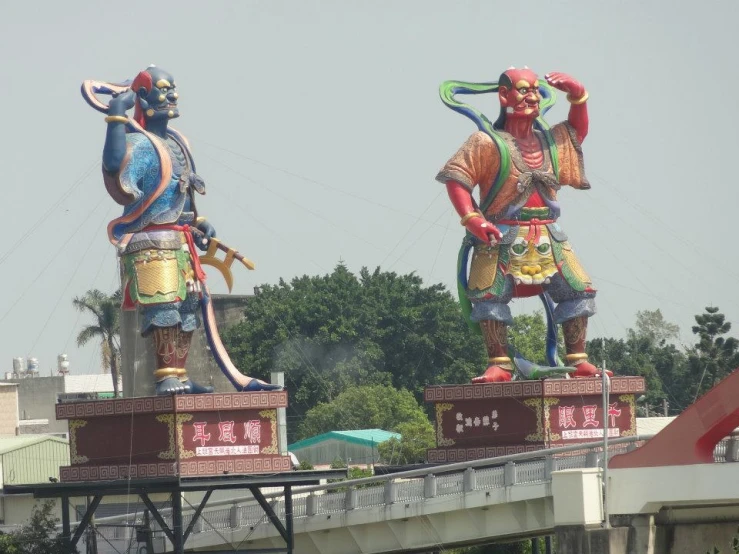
165,436
495,419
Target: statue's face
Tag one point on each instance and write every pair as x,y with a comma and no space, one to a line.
161,101
522,98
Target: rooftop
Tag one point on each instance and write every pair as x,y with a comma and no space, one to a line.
8,444
100,382
365,437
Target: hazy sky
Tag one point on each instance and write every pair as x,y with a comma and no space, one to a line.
318,129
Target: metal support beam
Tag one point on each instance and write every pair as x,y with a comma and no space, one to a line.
66,531
86,519
157,516
179,542
196,515
289,519
270,512
258,551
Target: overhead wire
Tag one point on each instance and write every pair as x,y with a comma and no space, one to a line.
60,296
45,216
327,186
42,272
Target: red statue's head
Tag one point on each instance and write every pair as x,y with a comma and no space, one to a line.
518,92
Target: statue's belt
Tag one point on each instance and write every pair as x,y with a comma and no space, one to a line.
186,229
533,224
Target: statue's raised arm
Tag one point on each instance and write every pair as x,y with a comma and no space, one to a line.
149,169
516,245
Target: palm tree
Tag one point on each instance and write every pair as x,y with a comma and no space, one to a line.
106,311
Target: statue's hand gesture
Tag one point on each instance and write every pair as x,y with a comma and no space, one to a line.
483,230
565,83
207,232
122,102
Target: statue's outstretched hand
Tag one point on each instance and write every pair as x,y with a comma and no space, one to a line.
565,83
122,102
202,241
483,230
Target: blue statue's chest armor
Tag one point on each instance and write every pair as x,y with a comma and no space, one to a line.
175,194
176,189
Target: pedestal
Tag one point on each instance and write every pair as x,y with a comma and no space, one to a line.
165,436
494,419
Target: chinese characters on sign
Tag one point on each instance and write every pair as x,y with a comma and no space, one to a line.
486,420
591,425
227,433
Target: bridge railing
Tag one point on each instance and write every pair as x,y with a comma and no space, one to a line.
419,484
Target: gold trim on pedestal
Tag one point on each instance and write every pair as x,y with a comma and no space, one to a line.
543,425
175,430
440,440
631,401
184,452
272,416
170,453
74,458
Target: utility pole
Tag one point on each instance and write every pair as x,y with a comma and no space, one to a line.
606,384
665,406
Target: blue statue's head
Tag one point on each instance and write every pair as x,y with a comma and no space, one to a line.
156,96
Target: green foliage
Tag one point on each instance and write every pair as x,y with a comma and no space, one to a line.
521,547
416,438
528,335
367,407
38,536
334,332
359,472
106,328
637,356
651,325
715,356
305,465
678,375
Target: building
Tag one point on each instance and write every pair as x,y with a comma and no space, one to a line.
38,396
352,447
26,460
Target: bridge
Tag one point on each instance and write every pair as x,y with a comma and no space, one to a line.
676,492
499,499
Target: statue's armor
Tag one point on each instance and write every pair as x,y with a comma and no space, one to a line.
157,269
533,249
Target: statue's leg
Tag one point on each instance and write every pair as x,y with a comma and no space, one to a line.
494,317
170,373
190,321
500,368
171,326
572,312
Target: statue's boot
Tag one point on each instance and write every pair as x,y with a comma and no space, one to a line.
500,367
172,346
575,331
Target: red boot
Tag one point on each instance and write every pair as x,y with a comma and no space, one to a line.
495,374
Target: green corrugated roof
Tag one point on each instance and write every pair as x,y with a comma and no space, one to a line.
8,444
366,437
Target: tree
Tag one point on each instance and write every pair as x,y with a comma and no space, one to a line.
38,536
528,335
651,325
364,407
521,547
630,356
105,310
714,356
333,332
415,439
